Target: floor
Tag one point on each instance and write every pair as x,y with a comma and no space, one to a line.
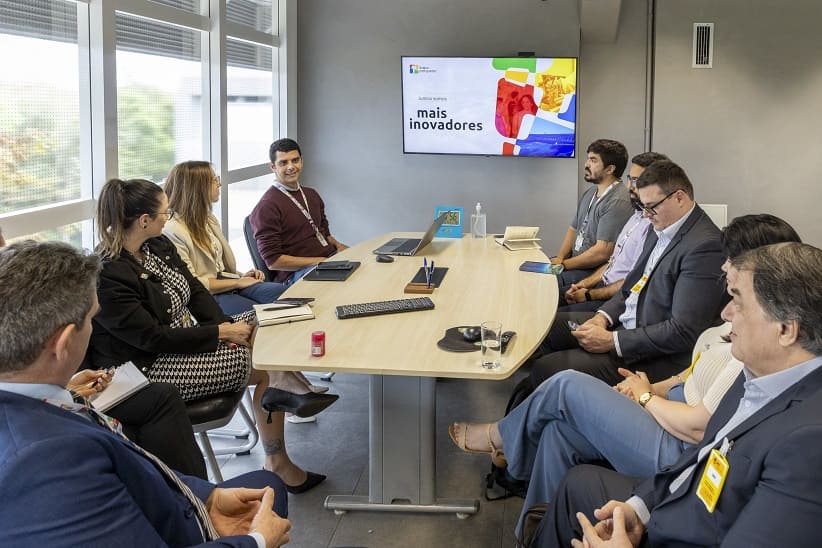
336,445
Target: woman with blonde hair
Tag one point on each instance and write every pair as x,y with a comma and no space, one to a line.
192,187
156,314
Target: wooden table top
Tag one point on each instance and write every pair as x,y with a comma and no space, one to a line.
483,283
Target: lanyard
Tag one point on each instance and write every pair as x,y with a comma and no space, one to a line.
305,211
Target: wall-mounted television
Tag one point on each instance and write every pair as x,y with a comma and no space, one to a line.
507,106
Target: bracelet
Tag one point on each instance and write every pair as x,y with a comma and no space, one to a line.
587,295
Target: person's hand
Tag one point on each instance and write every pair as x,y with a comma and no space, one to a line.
271,526
611,532
237,332
576,294
556,260
634,385
340,247
90,381
256,274
233,510
593,337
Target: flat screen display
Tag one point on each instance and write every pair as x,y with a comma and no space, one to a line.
507,106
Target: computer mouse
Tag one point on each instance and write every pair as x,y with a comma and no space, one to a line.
472,333
385,259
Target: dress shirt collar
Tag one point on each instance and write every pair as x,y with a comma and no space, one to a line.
38,391
669,232
774,384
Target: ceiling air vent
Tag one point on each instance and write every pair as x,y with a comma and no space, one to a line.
703,50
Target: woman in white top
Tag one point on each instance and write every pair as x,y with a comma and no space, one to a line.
573,418
192,187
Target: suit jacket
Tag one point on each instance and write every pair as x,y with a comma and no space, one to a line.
69,482
683,295
134,322
773,492
200,262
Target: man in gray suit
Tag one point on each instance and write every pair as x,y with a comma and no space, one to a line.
673,293
754,479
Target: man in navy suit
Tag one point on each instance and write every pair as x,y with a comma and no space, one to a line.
768,430
673,293
67,477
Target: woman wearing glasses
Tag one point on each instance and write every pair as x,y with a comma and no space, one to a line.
155,313
192,187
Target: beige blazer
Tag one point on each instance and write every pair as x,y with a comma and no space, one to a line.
201,264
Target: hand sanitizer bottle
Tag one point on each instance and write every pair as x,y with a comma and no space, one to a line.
478,223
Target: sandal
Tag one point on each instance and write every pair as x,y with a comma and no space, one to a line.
459,438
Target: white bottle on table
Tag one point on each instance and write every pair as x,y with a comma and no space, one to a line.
478,223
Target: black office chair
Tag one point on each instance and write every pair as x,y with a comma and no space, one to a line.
256,258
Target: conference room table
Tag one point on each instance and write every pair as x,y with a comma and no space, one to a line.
400,354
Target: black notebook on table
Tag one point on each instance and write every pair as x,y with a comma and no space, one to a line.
332,274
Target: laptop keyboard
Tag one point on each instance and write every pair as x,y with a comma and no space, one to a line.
407,247
362,310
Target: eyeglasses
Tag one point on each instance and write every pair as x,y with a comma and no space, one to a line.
650,209
169,213
630,180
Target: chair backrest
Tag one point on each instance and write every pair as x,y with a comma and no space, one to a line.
717,212
256,258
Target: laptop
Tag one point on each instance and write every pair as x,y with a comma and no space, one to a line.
410,246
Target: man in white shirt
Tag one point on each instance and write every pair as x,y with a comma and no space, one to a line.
754,479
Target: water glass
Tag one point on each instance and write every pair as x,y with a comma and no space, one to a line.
491,344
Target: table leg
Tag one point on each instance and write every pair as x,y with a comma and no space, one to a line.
402,451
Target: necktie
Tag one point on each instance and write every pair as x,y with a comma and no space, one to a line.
113,425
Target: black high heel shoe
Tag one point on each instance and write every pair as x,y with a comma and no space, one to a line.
303,405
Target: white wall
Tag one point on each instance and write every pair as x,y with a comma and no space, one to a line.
350,122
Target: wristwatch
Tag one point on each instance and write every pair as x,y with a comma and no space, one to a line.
587,294
645,398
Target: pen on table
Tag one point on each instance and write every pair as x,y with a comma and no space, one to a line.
425,270
431,277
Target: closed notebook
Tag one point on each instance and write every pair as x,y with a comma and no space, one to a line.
271,314
127,380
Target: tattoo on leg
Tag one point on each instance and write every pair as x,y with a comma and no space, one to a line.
273,447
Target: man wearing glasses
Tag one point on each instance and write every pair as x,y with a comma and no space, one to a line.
672,294
589,293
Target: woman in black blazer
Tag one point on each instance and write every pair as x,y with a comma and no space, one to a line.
155,313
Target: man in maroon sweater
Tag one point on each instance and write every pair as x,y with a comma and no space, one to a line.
289,222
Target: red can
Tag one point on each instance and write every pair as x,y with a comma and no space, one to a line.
318,343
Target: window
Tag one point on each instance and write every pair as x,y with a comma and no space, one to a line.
39,104
251,13
159,97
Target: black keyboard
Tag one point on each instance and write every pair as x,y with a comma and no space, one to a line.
362,310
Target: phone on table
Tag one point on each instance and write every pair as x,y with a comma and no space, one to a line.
572,325
541,268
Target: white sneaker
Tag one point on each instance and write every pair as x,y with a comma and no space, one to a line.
294,419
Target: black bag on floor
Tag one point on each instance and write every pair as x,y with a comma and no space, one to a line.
499,484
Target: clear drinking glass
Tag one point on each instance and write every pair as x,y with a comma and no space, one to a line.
491,344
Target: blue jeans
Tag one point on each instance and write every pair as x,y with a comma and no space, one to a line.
243,300
573,418
288,282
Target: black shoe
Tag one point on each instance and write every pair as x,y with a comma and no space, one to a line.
302,405
311,480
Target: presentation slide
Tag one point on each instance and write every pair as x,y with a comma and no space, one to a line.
511,106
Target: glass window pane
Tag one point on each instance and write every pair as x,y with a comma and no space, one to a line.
242,197
39,104
159,97
76,234
192,6
250,109
252,13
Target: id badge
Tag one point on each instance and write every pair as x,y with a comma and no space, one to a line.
640,284
321,238
578,242
713,479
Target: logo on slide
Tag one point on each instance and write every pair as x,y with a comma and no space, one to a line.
413,69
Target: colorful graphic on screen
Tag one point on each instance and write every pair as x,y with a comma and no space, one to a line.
512,106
